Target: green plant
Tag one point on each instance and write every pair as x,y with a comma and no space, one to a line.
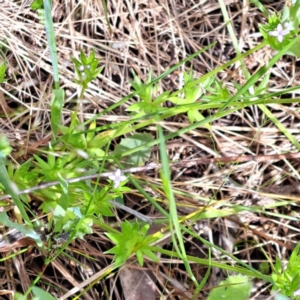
132,142
210,91
287,280
82,149
2,73
38,293
132,240
86,69
231,288
281,28
6,182
150,100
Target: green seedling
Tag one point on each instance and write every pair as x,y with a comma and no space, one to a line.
287,281
86,69
37,4
132,240
74,208
67,221
210,91
150,100
8,185
282,28
2,73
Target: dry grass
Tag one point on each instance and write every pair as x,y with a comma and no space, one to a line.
143,35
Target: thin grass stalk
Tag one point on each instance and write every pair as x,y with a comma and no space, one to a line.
174,220
51,41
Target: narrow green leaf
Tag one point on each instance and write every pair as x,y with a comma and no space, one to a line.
51,40
56,109
29,232
150,254
139,256
42,164
254,78
9,187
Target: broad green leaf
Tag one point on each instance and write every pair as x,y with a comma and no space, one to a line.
37,4
41,294
18,296
4,145
26,231
140,157
231,287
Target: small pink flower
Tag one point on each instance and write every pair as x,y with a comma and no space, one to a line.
117,178
296,293
280,32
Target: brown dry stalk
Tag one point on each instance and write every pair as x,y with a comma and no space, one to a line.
237,159
4,108
261,234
